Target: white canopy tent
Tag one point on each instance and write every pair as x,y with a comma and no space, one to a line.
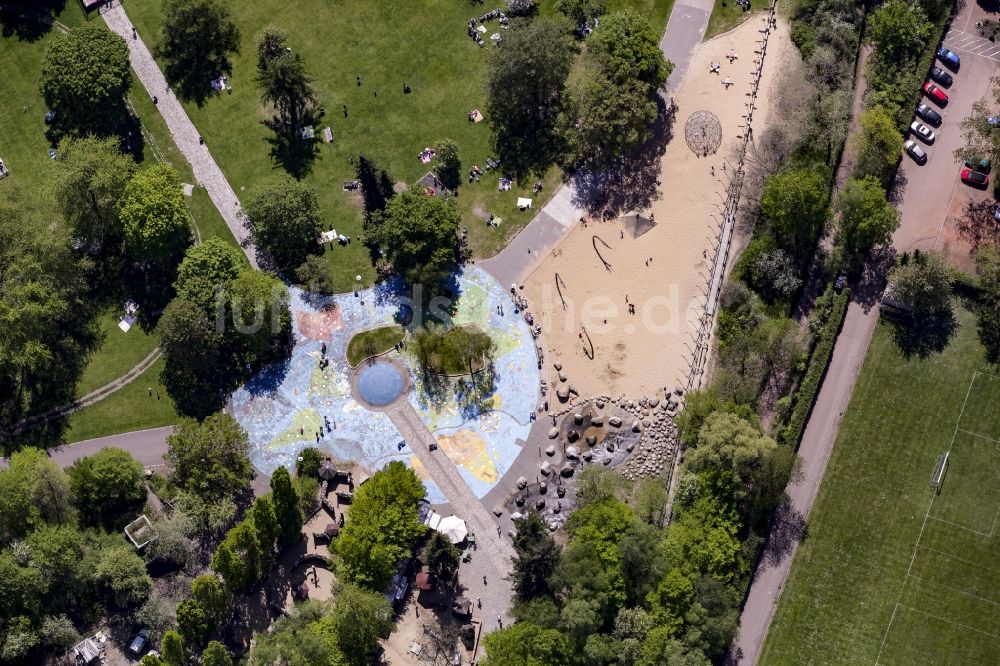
454,528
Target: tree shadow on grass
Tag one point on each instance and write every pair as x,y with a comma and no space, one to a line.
632,182
29,23
294,153
921,338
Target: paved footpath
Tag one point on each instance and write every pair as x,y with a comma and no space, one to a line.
206,172
493,554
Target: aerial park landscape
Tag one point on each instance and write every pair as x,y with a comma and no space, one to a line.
566,332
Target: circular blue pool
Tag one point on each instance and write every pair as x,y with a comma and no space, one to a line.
379,383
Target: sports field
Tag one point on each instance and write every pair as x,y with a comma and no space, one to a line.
891,572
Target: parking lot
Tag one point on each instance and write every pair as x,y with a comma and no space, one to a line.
933,196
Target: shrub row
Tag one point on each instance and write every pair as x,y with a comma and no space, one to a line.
819,361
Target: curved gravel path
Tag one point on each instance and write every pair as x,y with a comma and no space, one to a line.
206,172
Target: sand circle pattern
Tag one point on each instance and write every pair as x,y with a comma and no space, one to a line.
703,133
379,383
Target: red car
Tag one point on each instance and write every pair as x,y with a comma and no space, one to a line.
974,178
935,93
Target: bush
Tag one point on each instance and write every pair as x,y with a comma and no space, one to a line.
310,458
805,397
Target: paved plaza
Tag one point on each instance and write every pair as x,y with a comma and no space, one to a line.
295,404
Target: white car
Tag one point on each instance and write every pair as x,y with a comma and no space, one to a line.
914,150
923,131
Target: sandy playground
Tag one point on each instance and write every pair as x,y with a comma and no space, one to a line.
663,273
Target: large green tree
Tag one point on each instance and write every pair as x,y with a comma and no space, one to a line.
536,557
215,654
108,487
383,528
46,325
357,618
192,351
172,649
866,220
259,314
286,507
525,88
419,237
898,29
758,468
84,79
123,573
154,215
284,216
239,557
605,120
198,38
282,77
581,11
206,270
192,623
448,165
210,459
923,284
525,644
33,491
878,145
626,49
794,203
90,176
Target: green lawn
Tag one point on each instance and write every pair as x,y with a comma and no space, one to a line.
727,14
890,573
119,352
378,339
131,408
386,44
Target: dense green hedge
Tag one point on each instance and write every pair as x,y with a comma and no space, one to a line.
805,396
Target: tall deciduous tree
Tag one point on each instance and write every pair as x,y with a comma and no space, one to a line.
606,119
154,215
206,270
259,314
867,220
449,165
795,204
210,459
536,557
626,49
581,11
282,77
85,77
44,315
419,237
898,29
107,487
123,572
357,619
238,557
383,527
525,644
286,507
265,524
191,348
33,491
212,597
283,215
198,38
90,176
525,87
923,284
879,145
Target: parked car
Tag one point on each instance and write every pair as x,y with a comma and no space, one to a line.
942,77
923,131
949,58
975,178
993,121
982,166
935,93
914,150
138,643
929,114
996,213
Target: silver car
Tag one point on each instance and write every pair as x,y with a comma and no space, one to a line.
923,131
914,150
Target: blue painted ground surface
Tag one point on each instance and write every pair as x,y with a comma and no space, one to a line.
297,404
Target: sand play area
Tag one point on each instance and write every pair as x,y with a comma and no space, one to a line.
634,304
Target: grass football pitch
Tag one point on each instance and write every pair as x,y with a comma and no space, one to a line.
892,572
